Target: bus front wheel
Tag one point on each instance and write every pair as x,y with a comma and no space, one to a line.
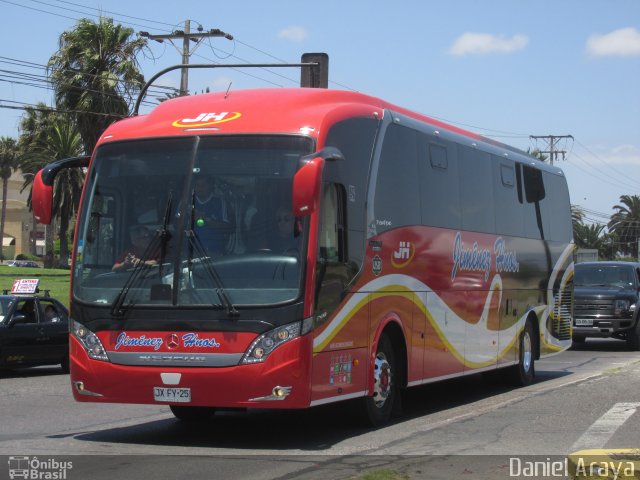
379,407
192,414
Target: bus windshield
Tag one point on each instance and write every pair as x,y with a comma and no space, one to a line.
197,221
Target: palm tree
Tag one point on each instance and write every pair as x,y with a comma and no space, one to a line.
96,75
60,140
592,236
8,165
625,223
577,214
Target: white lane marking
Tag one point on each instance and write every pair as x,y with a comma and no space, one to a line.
598,434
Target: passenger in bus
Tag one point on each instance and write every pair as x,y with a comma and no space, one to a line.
132,255
285,240
213,220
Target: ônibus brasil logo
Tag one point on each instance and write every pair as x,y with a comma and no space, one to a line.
206,119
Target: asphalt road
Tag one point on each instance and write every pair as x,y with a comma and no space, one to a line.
584,397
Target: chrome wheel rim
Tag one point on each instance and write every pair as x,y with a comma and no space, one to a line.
382,377
527,353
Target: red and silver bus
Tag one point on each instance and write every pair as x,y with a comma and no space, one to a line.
355,248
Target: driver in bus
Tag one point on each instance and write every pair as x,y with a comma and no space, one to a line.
132,255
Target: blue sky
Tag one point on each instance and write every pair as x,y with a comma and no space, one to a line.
505,69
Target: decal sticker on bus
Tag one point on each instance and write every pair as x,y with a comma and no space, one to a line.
206,119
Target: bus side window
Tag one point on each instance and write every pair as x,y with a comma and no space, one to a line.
334,271
507,198
397,188
439,192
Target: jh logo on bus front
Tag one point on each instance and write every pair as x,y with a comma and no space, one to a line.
206,119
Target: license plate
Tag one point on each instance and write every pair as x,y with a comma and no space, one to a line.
584,322
175,395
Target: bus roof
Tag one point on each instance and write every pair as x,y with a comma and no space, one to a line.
306,111
281,110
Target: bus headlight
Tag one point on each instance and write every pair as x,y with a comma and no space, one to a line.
266,343
90,342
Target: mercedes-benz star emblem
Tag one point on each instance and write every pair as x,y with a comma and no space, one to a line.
173,341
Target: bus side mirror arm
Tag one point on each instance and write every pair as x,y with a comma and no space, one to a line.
42,189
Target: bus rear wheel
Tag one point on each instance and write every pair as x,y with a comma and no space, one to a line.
192,414
379,407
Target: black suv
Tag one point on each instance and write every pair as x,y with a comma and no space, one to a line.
606,301
34,330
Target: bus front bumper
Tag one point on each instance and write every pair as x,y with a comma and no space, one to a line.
281,381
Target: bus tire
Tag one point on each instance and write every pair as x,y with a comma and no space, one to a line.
378,408
524,372
192,414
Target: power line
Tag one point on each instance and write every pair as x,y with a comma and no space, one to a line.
619,172
27,106
117,14
159,89
604,175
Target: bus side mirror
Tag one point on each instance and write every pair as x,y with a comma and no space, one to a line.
306,187
41,199
42,190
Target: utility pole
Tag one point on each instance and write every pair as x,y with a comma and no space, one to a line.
186,52
552,141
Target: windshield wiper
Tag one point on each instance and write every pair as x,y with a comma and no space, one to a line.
161,238
195,243
164,234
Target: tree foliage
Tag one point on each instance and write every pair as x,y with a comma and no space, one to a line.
8,165
625,223
96,75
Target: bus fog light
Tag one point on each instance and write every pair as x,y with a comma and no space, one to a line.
80,388
281,392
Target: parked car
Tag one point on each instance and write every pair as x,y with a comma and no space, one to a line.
22,263
34,331
606,301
